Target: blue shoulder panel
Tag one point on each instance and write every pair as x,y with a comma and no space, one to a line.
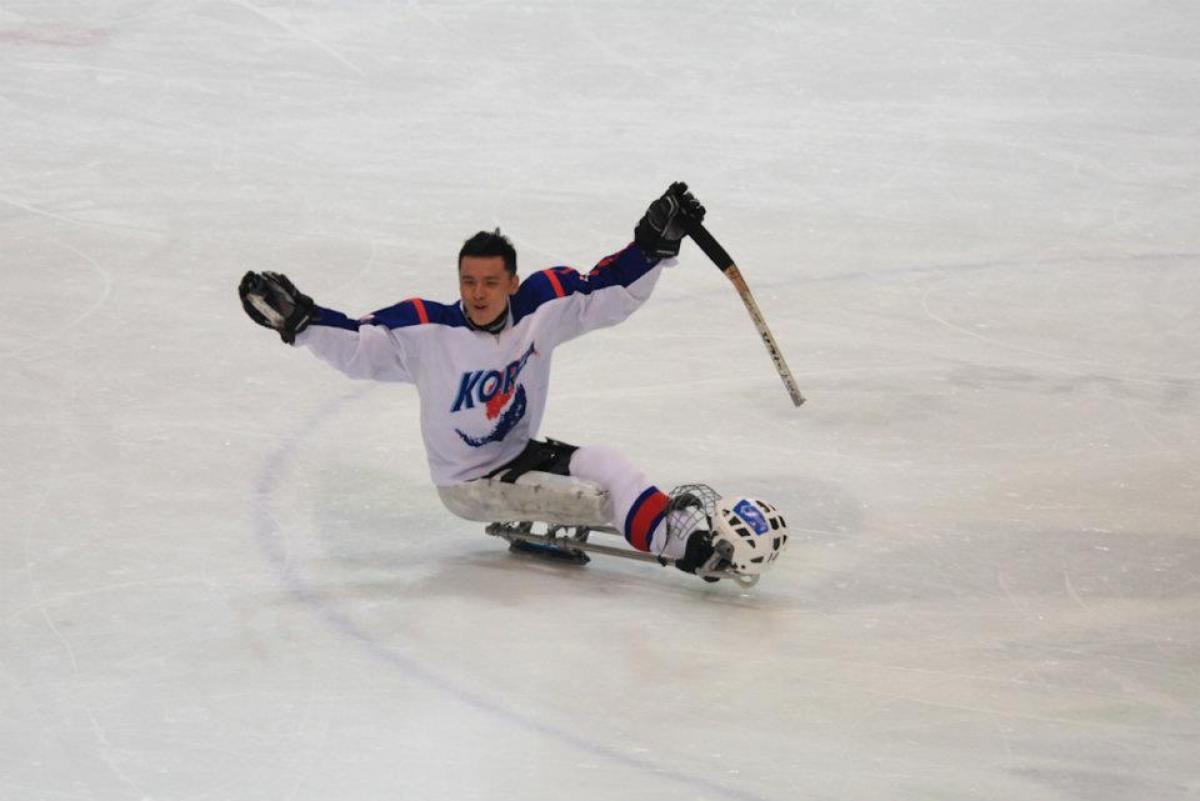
620,269
414,311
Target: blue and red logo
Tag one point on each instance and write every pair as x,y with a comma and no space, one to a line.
500,394
746,510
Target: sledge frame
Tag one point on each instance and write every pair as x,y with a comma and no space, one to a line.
573,542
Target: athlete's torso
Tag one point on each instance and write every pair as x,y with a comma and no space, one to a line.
482,395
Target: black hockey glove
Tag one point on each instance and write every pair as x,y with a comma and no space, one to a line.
699,553
273,301
661,229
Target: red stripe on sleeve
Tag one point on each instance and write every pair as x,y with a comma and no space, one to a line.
422,315
554,282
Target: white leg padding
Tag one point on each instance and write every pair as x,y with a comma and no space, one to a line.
625,483
536,496
602,489
611,470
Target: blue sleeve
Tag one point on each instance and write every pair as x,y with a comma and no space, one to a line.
622,269
371,347
414,311
567,303
334,319
401,315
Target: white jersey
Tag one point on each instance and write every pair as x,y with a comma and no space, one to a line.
482,395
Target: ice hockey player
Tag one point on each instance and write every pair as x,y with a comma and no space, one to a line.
482,365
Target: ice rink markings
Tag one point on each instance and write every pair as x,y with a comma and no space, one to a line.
299,35
1117,373
59,329
76,221
273,542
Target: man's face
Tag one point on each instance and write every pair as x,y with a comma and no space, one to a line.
485,286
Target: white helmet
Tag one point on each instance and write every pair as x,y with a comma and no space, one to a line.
755,531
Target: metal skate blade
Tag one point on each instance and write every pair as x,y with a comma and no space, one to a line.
570,555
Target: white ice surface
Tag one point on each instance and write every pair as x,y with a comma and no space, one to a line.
972,226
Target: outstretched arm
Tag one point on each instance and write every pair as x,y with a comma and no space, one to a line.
620,283
360,350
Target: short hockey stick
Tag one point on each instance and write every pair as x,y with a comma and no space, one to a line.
721,258
523,532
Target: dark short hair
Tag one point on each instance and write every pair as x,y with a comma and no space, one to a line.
492,243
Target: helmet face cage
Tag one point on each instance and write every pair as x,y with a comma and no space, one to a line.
691,506
756,530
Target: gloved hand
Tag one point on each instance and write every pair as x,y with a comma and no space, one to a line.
661,229
699,553
271,300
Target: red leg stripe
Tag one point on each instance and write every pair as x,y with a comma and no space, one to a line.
644,515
